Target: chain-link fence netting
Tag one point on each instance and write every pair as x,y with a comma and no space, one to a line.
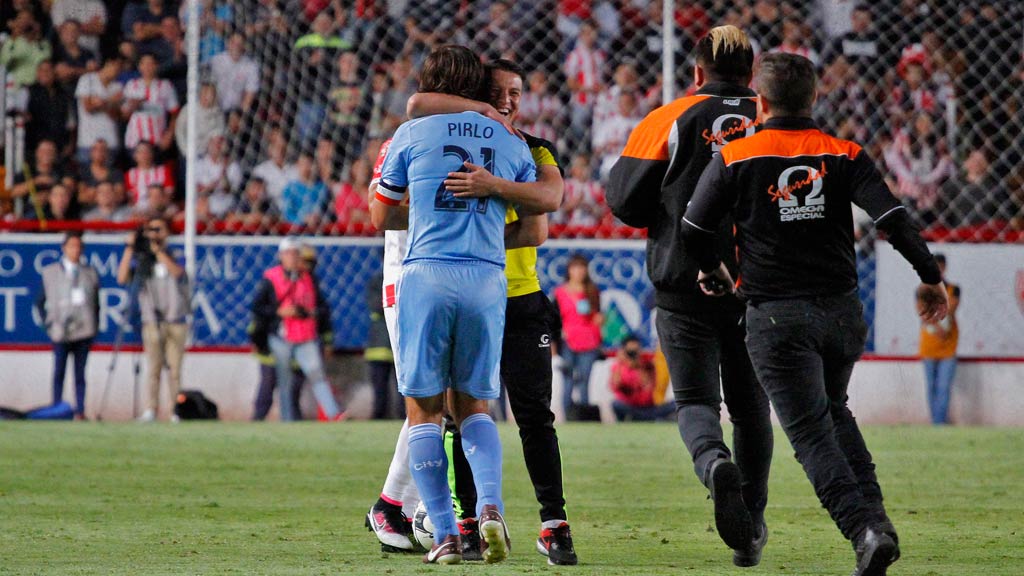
296,98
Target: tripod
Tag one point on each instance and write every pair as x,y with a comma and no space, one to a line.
133,322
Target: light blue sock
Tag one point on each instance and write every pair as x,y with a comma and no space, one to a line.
482,447
429,467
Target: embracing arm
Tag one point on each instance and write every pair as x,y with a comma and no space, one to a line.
528,231
540,197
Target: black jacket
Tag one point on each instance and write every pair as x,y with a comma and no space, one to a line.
651,184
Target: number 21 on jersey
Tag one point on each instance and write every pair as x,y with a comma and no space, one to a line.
444,200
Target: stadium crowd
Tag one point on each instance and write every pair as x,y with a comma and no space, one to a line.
296,97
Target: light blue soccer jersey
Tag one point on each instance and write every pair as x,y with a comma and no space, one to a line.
441,226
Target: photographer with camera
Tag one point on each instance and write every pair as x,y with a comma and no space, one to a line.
158,286
290,310
69,307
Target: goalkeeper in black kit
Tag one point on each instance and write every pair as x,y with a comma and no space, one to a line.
789,190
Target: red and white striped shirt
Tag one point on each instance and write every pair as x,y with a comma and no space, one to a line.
149,122
138,180
585,65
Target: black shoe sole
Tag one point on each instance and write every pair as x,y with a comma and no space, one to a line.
732,520
875,562
751,556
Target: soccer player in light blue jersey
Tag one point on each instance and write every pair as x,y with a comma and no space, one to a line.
452,294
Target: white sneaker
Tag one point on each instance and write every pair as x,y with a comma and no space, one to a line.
147,416
175,419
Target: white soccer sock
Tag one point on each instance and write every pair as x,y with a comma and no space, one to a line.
399,485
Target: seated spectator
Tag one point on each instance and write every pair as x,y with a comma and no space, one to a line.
99,108
170,53
49,111
146,174
626,81
209,119
58,205
976,196
275,170
326,169
350,207
584,69
861,46
632,382
107,208
313,54
540,110
254,207
346,115
610,134
796,40
380,87
237,76
25,50
91,16
498,35
72,61
140,23
403,85
218,177
583,202
915,92
159,203
305,197
150,107
46,173
99,169
919,160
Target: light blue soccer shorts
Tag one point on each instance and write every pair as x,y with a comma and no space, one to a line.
451,317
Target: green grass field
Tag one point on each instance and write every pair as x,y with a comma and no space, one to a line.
272,499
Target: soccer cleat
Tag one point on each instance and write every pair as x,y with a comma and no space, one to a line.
876,550
391,526
496,544
470,532
750,555
731,516
449,551
556,544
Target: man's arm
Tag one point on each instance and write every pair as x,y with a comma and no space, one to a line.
429,103
387,216
528,231
711,201
540,197
387,208
633,191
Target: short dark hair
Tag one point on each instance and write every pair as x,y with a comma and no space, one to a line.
454,70
506,66
787,82
940,258
631,337
70,235
725,55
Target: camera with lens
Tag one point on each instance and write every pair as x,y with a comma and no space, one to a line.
301,312
145,258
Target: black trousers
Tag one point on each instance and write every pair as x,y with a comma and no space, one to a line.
526,374
706,357
79,349
803,352
385,388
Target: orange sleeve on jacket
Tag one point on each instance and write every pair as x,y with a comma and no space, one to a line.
649,140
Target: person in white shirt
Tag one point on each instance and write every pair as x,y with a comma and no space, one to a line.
210,119
610,135
218,178
237,76
275,171
99,96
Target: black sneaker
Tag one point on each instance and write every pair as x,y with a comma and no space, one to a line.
391,526
875,552
470,532
732,519
750,555
556,544
447,552
888,529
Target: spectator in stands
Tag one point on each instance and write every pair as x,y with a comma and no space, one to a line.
305,197
171,57
380,88
796,40
632,382
765,23
218,177
159,202
324,158
275,171
60,204
150,107
254,209
237,76
583,202
609,136
163,293
99,108
49,111
625,81
584,69
140,23
347,112
69,307
975,196
99,169
914,92
46,173
209,119
70,58
91,16
25,50
350,207
498,35
107,208
313,53
539,110
938,351
579,303
861,45
403,85
921,163
571,16
145,174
